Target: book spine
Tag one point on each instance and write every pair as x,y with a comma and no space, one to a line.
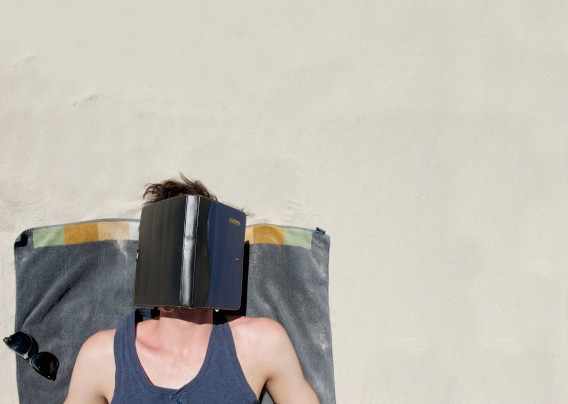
188,254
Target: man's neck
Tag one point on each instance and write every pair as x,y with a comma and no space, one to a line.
194,316
179,328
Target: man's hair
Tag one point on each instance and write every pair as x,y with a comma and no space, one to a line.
170,188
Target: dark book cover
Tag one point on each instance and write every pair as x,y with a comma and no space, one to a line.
190,254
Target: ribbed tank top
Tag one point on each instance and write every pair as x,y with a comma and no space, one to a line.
220,379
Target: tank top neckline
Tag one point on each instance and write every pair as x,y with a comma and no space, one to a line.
166,391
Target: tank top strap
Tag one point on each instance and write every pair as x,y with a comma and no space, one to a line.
121,358
228,354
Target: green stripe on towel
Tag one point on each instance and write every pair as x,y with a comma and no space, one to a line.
270,234
49,236
298,238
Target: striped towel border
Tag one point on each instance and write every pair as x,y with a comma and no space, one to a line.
93,231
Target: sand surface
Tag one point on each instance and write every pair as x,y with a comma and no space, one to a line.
429,138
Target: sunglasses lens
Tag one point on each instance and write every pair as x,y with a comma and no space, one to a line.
22,344
46,364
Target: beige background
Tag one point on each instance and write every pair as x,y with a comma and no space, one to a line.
429,138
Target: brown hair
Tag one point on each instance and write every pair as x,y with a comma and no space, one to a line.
170,188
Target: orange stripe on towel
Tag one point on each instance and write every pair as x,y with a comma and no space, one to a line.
81,233
265,234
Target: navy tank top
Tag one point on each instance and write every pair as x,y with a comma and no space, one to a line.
220,379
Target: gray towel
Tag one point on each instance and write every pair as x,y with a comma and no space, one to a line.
76,279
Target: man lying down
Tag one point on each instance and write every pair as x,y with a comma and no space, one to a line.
186,268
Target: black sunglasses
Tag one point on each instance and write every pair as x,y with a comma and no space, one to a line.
25,345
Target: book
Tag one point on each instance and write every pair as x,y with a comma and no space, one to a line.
190,254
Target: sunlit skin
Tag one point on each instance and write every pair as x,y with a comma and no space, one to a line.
172,347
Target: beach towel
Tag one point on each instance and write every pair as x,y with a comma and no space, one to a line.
76,279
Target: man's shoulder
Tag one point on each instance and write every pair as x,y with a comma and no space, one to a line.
99,345
265,351
254,324
102,337
93,374
265,331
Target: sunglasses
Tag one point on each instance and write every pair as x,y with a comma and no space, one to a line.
26,346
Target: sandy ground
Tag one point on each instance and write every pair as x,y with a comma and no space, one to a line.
428,138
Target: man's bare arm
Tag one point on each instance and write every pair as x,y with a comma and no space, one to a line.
285,382
93,375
